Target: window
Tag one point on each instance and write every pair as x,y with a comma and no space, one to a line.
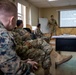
22,13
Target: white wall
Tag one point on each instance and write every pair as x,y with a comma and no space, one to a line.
34,15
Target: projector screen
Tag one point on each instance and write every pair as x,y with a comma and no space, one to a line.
67,18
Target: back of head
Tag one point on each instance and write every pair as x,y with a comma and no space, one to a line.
51,16
19,22
8,14
7,8
39,25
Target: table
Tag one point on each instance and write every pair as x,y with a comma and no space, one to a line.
65,42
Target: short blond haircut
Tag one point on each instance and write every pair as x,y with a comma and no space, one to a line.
7,8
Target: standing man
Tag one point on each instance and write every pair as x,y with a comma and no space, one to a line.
10,63
53,24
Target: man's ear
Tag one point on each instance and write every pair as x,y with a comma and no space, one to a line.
11,20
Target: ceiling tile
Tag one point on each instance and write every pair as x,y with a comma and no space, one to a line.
46,3
60,3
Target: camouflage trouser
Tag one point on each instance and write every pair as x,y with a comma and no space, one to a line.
42,45
37,55
40,52
53,30
47,39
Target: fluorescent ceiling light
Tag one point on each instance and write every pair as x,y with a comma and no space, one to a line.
51,0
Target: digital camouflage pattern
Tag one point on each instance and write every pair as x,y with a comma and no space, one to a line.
10,63
38,49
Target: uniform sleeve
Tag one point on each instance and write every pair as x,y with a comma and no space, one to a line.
24,34
10,63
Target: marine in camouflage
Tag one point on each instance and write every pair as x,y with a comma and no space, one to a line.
10,63
39,34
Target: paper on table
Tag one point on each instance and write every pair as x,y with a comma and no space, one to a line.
64,36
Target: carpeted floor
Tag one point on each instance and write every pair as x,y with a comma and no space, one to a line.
68,68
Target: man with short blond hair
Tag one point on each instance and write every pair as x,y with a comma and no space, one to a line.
10,63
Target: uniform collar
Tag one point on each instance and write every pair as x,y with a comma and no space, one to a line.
1,25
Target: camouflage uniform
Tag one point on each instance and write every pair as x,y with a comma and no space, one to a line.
37,49
39,34
53,27
10,63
